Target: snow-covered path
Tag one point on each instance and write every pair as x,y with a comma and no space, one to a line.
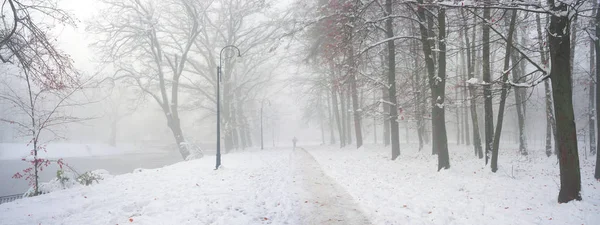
326,201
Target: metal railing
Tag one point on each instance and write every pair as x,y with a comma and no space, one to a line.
10,198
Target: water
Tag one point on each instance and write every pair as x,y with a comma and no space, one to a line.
118,164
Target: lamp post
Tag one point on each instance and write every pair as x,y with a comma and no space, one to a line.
219,103
261,122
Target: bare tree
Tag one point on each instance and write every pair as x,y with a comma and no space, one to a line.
46,72
150,48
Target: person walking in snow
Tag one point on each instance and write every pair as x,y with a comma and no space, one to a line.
294,141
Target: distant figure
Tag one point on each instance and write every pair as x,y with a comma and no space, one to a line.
294,140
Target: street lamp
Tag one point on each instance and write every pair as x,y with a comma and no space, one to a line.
261,122
219,103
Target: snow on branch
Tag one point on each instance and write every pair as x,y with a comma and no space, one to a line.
385,41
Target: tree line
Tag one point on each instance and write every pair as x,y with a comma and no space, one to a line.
398,60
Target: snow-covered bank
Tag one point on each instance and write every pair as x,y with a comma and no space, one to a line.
251,188
410,191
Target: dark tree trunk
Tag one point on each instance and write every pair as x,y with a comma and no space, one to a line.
391,47
560,73
487,93
428,53
591,89
472,92
386,116
504,92
597,45
439,84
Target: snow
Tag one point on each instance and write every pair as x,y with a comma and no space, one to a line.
324,185
18,151
473,81
410,191
251,188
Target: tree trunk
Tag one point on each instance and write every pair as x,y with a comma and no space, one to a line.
504,92
550,123
472,92
241,125
344,114
427,52
355,107
418,89
233,126
520,98
348,117
248,131
386,116
457,116
487,93
591,89
331,120
175,127
336,111
391,47
597,45
574,44
560,73
375,130
439,84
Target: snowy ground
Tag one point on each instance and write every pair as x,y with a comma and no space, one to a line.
410,191
342,186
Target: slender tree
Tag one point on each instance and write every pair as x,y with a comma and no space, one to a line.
391,49
439,84
487,93
504,92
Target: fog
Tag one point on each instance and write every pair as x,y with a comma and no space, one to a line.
126,84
